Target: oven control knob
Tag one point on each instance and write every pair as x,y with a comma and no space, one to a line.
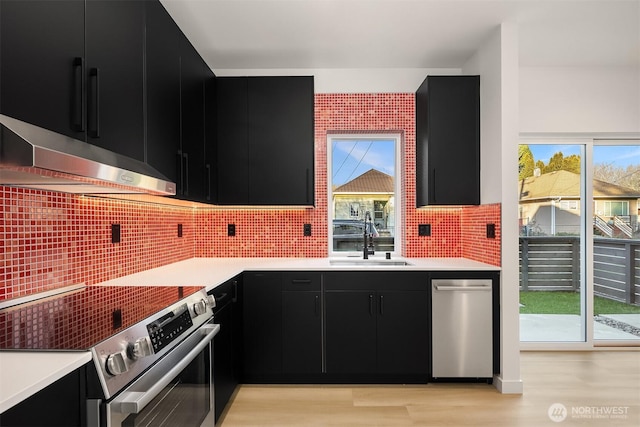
201,306
115,364
141,348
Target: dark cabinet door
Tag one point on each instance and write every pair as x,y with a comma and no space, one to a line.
265,140
448,141
281,148
59,404
210,137
115,75
262,315
42,50
350,332
232,141
301,332
403,331
191,184
163,90
223,371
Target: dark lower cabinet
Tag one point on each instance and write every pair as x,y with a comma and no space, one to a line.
351,343
262,326
377,332
59,404
227,348
301,324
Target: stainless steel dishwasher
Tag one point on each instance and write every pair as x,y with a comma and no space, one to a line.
461,328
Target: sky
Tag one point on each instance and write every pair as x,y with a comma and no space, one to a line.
619,155
352,158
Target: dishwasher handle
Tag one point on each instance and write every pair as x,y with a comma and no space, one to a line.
476,288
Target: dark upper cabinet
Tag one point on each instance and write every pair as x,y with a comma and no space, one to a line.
114,43
265,140
41,66
193,75
180,115
448,141
281,149
232,141
163,90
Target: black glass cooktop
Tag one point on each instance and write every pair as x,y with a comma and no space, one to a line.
77,320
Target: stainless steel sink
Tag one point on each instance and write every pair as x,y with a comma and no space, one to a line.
364,262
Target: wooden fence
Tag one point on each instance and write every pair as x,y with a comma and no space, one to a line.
553,264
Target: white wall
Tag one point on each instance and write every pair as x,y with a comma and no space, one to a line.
497,64
579,99
356,80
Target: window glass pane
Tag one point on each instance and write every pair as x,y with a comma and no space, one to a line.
551,238
616,239
363,183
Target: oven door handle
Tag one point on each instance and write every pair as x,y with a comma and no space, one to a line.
133,402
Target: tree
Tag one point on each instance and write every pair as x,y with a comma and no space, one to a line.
558,162
525,162
627,177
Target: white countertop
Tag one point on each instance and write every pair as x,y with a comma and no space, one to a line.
23,374
210,272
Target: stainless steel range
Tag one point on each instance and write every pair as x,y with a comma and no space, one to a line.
151,349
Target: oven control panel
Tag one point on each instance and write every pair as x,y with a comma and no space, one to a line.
169,327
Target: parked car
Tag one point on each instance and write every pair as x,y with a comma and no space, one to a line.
348,236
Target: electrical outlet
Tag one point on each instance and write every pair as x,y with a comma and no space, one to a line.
116,319
306,230
115,233
231,230
424,229
179,230
491,231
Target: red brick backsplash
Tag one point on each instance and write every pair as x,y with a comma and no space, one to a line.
50,240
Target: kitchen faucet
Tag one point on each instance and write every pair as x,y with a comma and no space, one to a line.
365,247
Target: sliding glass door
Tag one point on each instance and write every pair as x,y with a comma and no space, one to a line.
616,242
552,234
580,242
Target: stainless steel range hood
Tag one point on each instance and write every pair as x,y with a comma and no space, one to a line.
34,157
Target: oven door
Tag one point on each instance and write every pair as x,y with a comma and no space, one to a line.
176,391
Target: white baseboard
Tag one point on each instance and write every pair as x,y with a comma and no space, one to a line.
508,386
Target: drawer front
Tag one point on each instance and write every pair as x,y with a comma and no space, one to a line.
301,281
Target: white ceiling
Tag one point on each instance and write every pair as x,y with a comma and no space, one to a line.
342,34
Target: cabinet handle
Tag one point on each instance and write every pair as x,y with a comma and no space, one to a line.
381,305
371,304
180,171
185,156
234,298
307,185
79,108
94,73
301,281
208,166
433,186
317,305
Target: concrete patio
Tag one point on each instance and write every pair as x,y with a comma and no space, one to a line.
566,327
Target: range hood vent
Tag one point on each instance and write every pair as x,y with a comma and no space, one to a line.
34,157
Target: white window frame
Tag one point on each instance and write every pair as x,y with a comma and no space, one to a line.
397,184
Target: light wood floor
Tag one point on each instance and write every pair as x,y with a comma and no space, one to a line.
581,381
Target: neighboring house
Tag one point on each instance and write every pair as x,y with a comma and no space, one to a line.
372,191
550,204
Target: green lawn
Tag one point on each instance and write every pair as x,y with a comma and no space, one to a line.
545,302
